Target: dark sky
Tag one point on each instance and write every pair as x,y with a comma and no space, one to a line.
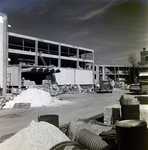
112,28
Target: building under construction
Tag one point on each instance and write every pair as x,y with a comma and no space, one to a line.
27,58
28,53
34,59
118,73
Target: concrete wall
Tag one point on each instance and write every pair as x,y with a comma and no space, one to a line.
74,76
12,75
66,76
84,77
96,74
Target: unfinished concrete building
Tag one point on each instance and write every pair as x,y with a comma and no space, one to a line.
27,54
114,72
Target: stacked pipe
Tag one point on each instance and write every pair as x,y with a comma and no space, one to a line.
86,135
92,141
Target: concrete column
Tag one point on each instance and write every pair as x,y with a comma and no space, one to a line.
103,72
23,43
3,53
77,58
19,75
115,73
59,60
97,73
100,73
74,76
118,73
93,66
36,50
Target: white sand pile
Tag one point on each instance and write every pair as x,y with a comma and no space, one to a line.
36,97
37,136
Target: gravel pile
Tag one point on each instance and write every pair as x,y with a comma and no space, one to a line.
36,97
37,136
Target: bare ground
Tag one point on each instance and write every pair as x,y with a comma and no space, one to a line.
82,105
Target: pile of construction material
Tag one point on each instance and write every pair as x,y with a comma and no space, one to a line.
112,114
44,136
127,108
36,98
4,100
37,136
89,135
143,100
136,108
75,88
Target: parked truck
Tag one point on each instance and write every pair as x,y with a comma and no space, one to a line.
103,86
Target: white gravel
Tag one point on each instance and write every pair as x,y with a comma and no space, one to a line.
36,97
37,136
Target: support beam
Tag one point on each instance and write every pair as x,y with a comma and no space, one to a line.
77,58
20,76
3,53
59,60
36,50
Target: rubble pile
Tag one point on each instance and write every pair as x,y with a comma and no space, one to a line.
37,136
75,89
36,97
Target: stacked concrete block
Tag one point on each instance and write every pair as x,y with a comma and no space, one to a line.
112,114
144,113
143,100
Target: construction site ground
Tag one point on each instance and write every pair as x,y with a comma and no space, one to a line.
83,105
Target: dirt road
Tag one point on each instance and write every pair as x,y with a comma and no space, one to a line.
81,105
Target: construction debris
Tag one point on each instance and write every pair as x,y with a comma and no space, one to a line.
75,88
87,134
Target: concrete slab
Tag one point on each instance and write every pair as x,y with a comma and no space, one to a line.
22,106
